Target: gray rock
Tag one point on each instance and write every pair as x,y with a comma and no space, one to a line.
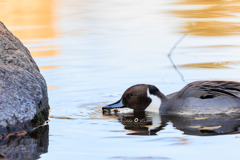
23,90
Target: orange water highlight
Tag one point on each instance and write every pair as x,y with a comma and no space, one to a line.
48,67
48,53
44,51
32,21
205,19
29,19
52,87
211,65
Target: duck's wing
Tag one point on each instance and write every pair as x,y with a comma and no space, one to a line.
211,89
172,95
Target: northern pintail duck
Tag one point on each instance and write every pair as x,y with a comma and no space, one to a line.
200,97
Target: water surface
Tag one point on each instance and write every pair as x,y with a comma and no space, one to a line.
91,51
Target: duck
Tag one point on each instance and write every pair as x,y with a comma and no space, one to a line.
198,97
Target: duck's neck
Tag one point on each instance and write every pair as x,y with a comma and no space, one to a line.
157,99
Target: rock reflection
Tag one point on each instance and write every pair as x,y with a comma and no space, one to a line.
27,146
147,123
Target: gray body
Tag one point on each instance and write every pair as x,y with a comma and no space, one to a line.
204,97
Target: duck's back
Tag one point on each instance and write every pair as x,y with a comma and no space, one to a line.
205,97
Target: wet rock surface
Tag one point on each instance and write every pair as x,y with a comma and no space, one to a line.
23,90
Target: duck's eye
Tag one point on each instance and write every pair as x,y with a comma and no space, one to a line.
131,94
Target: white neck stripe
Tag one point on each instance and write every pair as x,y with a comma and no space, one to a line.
154,106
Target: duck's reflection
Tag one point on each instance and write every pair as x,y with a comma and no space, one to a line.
28,146
147,123
139,122
206,125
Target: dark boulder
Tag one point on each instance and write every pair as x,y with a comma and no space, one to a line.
23,90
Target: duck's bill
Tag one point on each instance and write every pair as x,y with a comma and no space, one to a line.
117,104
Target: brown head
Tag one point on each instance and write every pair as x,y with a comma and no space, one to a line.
139,97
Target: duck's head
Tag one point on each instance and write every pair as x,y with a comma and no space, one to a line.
140,97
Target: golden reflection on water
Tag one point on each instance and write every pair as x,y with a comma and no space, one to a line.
52,87
183,141
44,51
215,46
48,67
29,19
198,2
212,28
211,65
48,53
200,23
32,21
215,11
59,117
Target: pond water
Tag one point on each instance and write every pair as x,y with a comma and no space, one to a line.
90,51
